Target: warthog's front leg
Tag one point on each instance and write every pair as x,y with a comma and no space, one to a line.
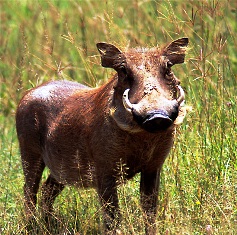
107,192
149,196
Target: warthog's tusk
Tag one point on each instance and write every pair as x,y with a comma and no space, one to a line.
126,103
181,97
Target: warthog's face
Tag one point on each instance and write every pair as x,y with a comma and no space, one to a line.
147,91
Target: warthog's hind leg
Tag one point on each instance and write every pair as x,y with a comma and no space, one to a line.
33,167
50,190
107,192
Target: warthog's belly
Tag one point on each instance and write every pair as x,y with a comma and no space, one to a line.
71,170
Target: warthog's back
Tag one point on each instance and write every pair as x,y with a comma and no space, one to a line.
42,104
49,95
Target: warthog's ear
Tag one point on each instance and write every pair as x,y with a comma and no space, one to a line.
175,51
111,56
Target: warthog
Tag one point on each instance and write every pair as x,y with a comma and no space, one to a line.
82,134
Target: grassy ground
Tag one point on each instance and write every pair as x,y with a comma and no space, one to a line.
45,40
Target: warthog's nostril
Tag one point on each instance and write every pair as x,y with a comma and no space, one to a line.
157,121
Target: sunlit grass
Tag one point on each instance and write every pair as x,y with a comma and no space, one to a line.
47,40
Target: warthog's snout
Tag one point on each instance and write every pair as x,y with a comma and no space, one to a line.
157,119
160,120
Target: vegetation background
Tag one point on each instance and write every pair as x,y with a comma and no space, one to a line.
45,40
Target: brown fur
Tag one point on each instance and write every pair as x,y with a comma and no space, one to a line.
83,134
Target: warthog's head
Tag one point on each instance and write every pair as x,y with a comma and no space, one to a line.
147,95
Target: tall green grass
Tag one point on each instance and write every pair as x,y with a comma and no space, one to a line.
46,40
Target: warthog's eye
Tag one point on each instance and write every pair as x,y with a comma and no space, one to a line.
169,64
123,69
125,74
168,71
